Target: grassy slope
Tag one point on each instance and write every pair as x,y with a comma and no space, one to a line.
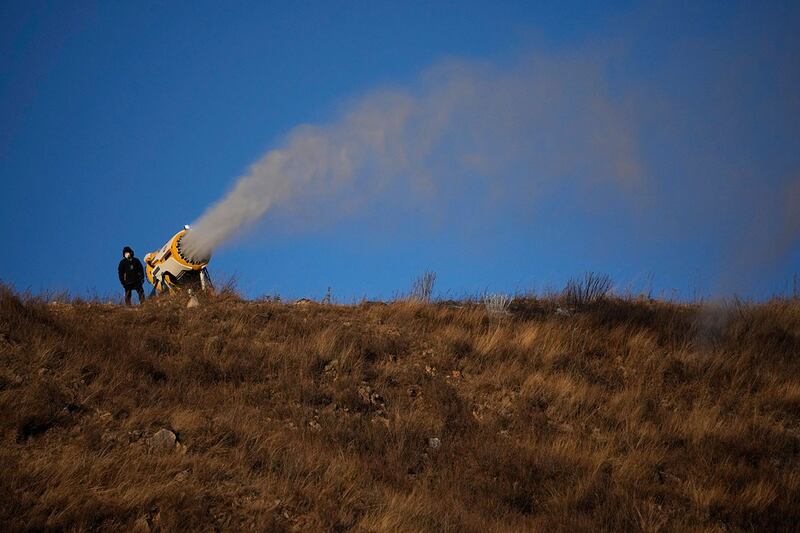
627,415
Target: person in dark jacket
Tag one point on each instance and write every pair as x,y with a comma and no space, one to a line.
131,275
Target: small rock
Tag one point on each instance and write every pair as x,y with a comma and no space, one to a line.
163,441
365,393
368,396
434,443
193,302
376,399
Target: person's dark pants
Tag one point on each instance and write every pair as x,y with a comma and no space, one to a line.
139,290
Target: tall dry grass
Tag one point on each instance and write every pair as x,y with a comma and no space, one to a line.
399,417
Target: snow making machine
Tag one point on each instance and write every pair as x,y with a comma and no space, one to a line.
171,269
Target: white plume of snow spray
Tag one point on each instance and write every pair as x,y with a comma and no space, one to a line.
461,124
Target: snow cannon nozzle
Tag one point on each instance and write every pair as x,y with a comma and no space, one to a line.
176,266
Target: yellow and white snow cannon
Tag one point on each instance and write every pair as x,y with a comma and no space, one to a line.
171,268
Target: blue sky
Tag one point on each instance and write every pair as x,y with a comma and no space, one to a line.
123,121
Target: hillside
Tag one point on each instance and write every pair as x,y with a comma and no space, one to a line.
622,415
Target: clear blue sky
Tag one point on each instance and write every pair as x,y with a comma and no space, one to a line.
121,121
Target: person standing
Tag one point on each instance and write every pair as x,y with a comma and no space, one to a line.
131,275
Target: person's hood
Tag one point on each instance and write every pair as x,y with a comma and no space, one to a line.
126,250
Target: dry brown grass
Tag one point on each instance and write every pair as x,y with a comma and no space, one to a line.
624,416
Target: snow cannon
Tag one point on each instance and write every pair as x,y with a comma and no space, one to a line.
172,269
